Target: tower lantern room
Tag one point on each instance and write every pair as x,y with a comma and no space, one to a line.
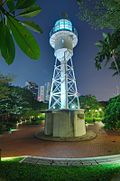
63,38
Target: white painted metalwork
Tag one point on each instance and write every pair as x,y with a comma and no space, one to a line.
63,95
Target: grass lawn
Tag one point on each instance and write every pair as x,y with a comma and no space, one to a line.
12,170
11,159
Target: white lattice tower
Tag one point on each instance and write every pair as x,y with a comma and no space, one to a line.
63,95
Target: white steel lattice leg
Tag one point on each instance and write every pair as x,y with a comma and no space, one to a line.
64,93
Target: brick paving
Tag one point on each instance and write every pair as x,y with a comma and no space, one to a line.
23,142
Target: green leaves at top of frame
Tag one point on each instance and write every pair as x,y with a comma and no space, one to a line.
33,26
27,8
21,4
7,46
30,11
24,38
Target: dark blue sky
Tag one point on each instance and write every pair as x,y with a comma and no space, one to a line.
89,80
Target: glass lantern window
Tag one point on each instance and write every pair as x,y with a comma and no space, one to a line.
63,24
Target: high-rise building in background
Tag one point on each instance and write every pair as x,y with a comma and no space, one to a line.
44,92
47,91
41,94
32,87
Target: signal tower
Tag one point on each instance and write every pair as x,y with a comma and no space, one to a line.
64,94
64,119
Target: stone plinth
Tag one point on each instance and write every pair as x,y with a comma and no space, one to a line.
65,123
48,130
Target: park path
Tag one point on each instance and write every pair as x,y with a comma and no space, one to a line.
23,142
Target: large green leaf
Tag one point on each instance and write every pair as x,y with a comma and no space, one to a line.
7,46
21,4
98,44
31,11
24,39
10,5
105,35
33,26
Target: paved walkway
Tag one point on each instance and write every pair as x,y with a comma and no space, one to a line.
23,142
72,161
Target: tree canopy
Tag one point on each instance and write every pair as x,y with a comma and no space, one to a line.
104,14
93,109
19,101
100,13
15,100
14,29
5,81
88,102
109,52
112,114
17,105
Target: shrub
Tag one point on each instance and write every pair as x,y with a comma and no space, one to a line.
27,172
112,114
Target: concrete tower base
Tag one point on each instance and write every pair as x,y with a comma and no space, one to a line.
65,123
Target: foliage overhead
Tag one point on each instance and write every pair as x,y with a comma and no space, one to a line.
13,28
104,14
100,13
109,52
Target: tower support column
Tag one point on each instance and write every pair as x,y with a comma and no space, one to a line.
64,94
64,85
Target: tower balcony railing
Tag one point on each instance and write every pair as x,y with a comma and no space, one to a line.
57,29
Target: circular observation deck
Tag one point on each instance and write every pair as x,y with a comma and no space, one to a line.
63,28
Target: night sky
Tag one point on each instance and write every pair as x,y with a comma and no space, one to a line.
89,80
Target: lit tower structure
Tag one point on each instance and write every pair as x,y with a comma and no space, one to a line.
64,118
63,95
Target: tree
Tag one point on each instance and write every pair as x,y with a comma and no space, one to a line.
109,52
104,14
93,109
19,105
16,103
14,29
21,101
112,114
100,13
43,106
5,81
88,102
